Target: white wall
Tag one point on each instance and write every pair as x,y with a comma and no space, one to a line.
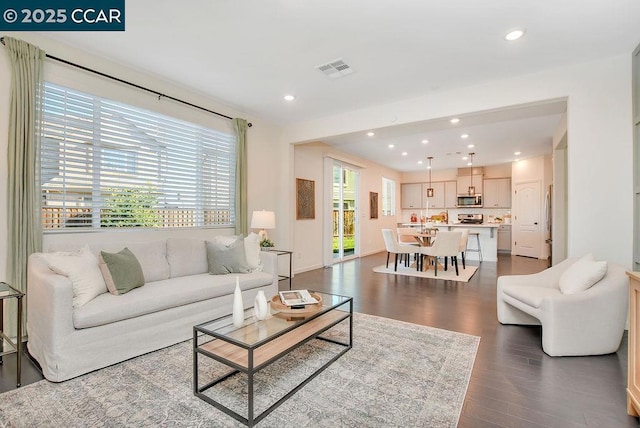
599,128
268,176
308,242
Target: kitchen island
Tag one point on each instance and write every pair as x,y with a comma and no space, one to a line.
475,223
488,239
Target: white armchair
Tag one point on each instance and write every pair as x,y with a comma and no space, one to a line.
589,322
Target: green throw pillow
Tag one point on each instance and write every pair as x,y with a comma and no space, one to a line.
223,259
121,271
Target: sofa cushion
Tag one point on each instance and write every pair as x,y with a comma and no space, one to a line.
582,275
121,271
81,267
223,259
530,295
187,256
160,295
151,255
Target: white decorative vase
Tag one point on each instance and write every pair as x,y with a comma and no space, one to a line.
260,307
238,307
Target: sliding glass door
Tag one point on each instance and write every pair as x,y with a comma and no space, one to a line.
345,212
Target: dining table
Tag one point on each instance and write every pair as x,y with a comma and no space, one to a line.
425,239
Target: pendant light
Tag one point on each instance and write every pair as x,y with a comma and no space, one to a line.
472,188
430,189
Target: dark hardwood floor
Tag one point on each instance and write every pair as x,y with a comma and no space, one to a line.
513,384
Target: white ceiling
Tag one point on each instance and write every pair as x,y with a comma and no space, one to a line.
248,54
496,136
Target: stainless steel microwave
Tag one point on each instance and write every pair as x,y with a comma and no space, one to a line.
465,201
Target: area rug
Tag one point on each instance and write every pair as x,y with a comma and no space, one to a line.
397,374
448,275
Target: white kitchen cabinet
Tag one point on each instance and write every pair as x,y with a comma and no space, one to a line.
450,194
445,195
438,199
497,193
504,238
411,195
464,181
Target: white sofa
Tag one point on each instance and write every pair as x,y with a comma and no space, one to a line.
589,322
178,294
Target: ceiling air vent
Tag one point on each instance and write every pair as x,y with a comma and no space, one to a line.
336,68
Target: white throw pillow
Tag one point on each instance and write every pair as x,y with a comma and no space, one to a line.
581,275
252,251
82,269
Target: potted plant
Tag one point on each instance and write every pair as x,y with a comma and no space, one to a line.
266,243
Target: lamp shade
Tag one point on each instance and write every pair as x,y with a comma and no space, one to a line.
263,220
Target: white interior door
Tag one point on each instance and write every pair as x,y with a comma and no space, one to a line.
527,219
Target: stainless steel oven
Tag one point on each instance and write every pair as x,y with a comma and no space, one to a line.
468,201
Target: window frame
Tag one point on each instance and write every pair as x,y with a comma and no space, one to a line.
388,196
210,196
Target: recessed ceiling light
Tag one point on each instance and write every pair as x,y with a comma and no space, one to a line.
469,164
419,162
370,134
465,158
464,136
425,141
429,167
454,120
289,98
391,146
517,153
404,153
471,146
514,34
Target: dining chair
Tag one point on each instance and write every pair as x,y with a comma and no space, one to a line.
447,245
392,245
407,235
463,244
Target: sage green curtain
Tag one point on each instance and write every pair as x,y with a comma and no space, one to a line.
23,196
240,126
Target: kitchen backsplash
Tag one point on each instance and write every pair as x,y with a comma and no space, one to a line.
453,213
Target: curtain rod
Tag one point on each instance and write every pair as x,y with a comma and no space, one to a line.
135,85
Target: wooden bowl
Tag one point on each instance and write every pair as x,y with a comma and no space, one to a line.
277,304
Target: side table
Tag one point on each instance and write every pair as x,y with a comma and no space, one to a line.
8,292
282,253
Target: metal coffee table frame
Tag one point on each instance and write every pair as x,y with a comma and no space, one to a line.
315,324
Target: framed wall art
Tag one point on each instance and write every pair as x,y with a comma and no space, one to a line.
305,199
373,205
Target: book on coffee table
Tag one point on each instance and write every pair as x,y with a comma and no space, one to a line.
297,297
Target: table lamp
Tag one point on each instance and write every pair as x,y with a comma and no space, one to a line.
263,220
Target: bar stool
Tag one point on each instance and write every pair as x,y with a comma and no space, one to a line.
478,249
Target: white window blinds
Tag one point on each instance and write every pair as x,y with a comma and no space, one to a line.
107,164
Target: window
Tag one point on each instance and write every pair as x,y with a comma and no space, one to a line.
107,164
388,197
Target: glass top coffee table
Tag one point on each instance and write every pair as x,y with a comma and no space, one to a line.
257,344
